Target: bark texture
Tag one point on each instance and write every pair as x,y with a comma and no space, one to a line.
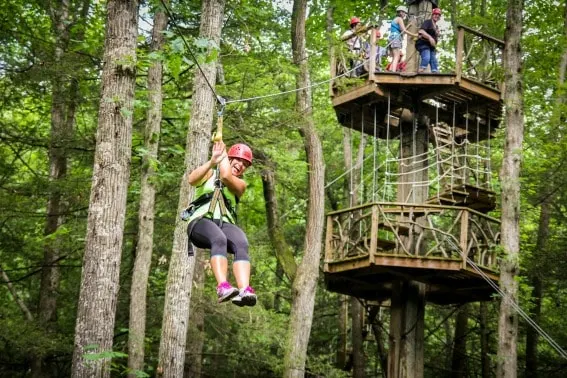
305,283
507,365
138,290
64,97
111,173
196,332
358,357
459,363
180,275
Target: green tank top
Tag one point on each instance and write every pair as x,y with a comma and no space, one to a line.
209,187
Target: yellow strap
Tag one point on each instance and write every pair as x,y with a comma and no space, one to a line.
217,135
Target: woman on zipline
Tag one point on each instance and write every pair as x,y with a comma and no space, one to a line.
213,227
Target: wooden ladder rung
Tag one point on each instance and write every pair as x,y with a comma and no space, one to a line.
442,130
445,141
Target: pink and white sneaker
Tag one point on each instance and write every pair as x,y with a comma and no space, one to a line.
245,297
225,292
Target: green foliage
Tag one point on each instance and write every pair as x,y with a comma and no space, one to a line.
256,59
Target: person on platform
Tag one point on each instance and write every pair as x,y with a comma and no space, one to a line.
395,40
426,44
354,39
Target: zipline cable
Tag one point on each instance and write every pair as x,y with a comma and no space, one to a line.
219,99
512,302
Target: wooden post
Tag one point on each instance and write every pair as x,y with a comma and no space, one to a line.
464,236
460,52
333,71
372,58
328,238
373,234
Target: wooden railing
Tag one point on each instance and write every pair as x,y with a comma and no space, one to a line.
478,57
420,231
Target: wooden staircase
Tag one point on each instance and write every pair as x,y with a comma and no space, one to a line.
458,185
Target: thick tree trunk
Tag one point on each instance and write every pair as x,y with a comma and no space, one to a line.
358,358
305,284
138,291
196,332
284,254
532,336
180,275
61,131
111,173
510,229
407,310
458,366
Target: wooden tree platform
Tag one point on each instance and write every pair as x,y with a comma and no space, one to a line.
447,281
474,109
469,98
451,249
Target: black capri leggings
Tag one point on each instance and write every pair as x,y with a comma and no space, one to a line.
208,234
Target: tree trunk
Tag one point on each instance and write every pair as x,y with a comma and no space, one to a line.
196,333
532,336
458,367
284,254
407,310
21,304
138,291
484,347
357,314
107,209
377,324
342,331
305,283
510,228
180,275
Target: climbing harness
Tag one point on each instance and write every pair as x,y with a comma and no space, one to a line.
218,198
215,198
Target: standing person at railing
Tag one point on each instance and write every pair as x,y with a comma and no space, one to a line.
427,42
397,30
354,39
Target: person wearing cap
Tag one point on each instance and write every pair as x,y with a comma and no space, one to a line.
354,39
397,29
215,229
427,42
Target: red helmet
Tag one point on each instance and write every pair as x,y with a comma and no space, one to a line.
436,11
354,20
241,151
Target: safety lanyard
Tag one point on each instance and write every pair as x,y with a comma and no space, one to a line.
218,198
